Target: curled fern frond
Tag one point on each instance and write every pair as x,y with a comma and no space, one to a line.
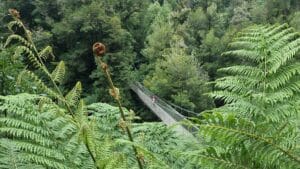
30,55
14,23
19,39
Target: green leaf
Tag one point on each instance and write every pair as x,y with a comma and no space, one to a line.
59,72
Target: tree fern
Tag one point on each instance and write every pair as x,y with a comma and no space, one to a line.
53,131
26,127
271,76
10,158
78,129
240,143
258,125
56,129
154,140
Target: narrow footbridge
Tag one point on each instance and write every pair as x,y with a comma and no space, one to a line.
164,111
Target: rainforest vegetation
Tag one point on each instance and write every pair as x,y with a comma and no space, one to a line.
230,67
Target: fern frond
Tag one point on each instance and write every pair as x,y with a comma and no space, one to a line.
272,73
275,30
19,39
242,44
260,95
218,160
282,111
245,37
26,128
283,76
10,157
235,84
151,156
59,72
286,33
247,54
40,83
74,95
11,24
30,55
248,71
281,56
282,40
228,97
232,130
46,53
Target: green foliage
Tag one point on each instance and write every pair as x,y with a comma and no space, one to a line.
241,143
9,69
73,96
257,128
37,133
57,131
295,22
59,72
159,34
42,135
268,81
259,125
92,22
241,15
161,142
137,33
27,128
179,79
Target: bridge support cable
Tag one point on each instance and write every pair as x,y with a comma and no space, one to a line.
163,111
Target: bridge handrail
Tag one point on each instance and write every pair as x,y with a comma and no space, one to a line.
177,116
181,108
168,109
165,101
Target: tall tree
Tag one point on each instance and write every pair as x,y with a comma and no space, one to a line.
179,78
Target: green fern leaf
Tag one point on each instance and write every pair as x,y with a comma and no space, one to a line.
59,72
19,39
46,53
259,96
40,83
73,96
11,24
26,128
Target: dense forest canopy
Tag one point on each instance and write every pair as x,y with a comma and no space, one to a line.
66,101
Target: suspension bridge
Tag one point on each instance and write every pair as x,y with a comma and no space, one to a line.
164,111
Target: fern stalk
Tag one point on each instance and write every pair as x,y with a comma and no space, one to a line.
43,67
115,94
